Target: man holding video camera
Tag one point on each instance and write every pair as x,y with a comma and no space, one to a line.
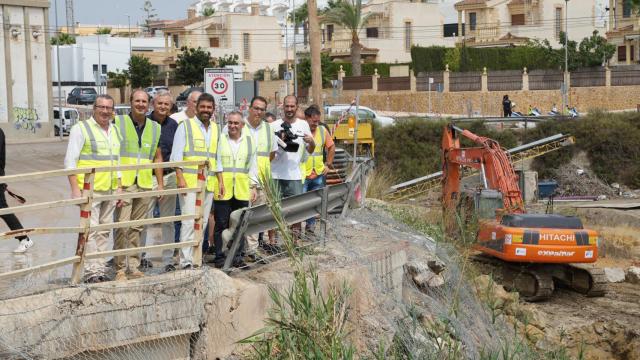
294,137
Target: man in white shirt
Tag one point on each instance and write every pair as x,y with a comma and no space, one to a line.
190,111
286,166
95,143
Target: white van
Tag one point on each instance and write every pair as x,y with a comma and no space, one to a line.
335,111
70,118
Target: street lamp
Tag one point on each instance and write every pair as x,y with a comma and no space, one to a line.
129,23
60,114
565,98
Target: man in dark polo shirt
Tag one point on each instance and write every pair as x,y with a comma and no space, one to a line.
165,177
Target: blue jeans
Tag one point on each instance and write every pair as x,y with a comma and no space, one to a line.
313,184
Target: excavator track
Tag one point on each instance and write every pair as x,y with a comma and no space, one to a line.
587,279
535,282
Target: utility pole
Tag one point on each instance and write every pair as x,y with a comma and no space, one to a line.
295,55
129,23
99,68
314,43
286,52
565,97
60,114
355,131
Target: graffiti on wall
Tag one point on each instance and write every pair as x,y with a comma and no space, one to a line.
26,119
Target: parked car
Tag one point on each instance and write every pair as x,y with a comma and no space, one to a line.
70,117
365,113
82,96
153,90
122,110
185,94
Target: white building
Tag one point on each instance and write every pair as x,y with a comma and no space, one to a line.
80,62
514,22
392,29
25,75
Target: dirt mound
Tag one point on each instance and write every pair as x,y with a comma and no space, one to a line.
576,180
604,340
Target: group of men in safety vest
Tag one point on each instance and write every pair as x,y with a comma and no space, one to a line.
238,155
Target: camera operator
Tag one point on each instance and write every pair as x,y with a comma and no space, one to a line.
285,167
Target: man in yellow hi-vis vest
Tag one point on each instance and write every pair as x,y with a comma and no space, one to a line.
95,143
237,163
196,139
139,137
316,166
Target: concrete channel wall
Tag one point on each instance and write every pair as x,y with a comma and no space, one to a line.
197,314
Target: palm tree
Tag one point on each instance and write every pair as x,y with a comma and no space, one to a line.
63,39
348,13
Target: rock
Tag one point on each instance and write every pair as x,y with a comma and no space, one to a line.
436,265
423,276
614,275
633,275
533,333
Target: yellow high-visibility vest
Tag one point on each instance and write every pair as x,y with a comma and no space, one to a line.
314,160
131,153
263,144
196,149
235,168
99,150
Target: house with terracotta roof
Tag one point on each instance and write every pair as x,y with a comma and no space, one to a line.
394,26
624,32
490,23
254,36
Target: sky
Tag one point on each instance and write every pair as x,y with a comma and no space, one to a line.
113,12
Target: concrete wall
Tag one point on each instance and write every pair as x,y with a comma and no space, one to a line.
489,103
25,96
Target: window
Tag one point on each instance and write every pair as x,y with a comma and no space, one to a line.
558,22
372,32
517,19
626,9
95,68
472,21
407,36
214,42
245,46
622,53
329,32
104,68
176,44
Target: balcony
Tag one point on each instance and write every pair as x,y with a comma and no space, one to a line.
485,33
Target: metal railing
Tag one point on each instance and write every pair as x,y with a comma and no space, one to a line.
85,201
244,221
298,208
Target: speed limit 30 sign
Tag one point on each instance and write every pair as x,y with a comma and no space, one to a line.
219,83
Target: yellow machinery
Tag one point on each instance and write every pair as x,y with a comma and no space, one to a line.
344,133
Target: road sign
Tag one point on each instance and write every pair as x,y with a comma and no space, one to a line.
287,75
219,83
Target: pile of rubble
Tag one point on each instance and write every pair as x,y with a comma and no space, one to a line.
576,181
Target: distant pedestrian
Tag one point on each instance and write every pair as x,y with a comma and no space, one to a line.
12,221
506,106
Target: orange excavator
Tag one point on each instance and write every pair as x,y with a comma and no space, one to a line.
536,251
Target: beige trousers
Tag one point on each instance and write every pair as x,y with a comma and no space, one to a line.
98,241
129,237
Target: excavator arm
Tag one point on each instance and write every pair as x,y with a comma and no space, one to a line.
489,158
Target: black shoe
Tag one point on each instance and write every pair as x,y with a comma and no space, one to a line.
219,262
187,267
145,263
95,279
170,268
272,249
239,263
251,258
210,251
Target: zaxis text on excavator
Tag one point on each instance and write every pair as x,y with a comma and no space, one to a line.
533,249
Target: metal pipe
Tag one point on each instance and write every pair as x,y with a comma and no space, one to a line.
484,176
60,114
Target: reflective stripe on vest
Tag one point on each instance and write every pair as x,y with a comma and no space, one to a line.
98,153
264,142
236,178
195,149
133,154
314,161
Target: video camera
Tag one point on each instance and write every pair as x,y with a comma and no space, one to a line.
286,138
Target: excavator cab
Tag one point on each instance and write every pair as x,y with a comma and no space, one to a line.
487,203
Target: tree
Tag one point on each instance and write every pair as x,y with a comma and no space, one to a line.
151,14
304,71
316,57
103,31
63,39
119,80
140,71
190,65
300,16
348,13
208,11
595,51
259,75
227,60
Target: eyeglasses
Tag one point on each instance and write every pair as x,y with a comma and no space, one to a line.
103,107
258,108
